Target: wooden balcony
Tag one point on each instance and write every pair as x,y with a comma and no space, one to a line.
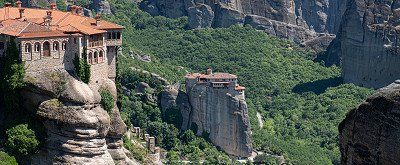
95,44
114,42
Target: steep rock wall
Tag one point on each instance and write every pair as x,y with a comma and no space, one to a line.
223,116
316,16
369,43
79,130
370,134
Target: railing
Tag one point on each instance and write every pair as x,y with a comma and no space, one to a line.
114,42
95,44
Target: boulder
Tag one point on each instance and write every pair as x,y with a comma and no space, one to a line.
370,133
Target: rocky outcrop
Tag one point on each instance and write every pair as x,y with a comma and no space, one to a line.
173,97
298,20
101,6
370,134
216,113
369,43
79,130
224,117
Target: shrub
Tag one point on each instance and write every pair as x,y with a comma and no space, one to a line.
6,159
137,152
21,140
107,100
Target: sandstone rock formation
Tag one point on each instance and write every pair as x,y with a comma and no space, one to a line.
298,20
369,42
79,130
370,134
224,117
216,113
101,6
173,97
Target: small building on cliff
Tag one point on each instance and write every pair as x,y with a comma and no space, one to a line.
51,39
219,110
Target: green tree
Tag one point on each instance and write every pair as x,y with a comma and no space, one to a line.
12,74
21,141
187,136
82,66
215,157
173,158
6,159
107,100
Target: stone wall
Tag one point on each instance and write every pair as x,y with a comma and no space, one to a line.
59,58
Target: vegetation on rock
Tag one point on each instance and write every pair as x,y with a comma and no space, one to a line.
107,100
82,67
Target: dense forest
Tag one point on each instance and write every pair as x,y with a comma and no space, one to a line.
302,102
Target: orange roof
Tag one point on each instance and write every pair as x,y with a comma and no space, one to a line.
211,76
238,87
12,24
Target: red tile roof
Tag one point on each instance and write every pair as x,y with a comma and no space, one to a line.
33,22
211,76
238,87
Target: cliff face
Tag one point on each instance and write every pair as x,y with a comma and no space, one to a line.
370,134
223,116
213,112
79,130
296,20
369,43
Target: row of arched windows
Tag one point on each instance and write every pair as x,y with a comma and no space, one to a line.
96,57
46,47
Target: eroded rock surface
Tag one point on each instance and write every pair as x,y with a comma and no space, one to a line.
299,20
369,43
370,134
215,113
79,130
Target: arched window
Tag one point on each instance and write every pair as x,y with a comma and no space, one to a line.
46,49
56,46
101,57
90,58
96,60
64,45
28,48
37,47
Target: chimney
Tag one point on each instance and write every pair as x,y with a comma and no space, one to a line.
98,19
48,18
53,6
18,4
209,71
79,10
73,9
21,13
7,4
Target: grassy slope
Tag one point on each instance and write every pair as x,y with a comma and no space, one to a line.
302,101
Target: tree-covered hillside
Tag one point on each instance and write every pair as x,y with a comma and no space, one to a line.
302,102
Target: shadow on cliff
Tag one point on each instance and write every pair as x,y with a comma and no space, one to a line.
318,86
